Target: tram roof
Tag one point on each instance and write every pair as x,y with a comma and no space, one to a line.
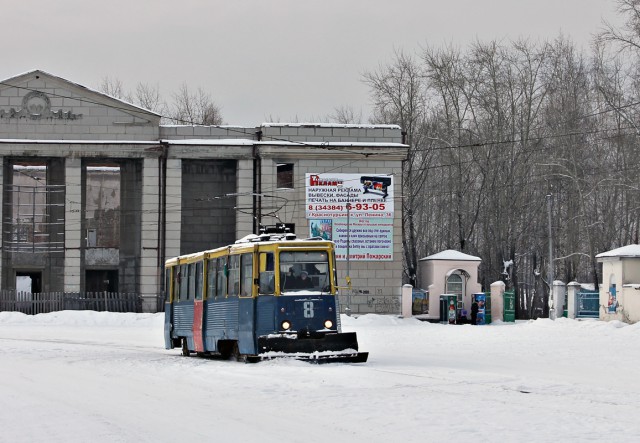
252,240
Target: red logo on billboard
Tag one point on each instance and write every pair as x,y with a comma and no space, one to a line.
315,180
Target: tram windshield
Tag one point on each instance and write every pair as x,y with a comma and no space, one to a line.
304,271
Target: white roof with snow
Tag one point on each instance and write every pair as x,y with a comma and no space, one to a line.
625,251
452,255
327,125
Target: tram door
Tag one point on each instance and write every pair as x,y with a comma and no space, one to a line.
195,287
246,306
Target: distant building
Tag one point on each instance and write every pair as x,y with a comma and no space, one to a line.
96,193
620,290
449,272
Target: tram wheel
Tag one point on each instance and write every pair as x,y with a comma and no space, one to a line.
185,348
236,355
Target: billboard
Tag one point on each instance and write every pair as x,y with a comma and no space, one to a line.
368,195
353,208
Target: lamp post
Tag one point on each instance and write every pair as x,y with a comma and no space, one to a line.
552,308
348,278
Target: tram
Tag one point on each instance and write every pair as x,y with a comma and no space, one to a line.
265,296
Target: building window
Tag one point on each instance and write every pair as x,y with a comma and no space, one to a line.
102,213
32,200
285,176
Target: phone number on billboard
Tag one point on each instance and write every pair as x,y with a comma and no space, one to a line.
351,207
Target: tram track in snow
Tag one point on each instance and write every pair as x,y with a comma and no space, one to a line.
134,348
541,393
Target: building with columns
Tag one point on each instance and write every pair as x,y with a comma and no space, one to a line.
96,193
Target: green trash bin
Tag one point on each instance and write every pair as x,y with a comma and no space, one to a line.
510,306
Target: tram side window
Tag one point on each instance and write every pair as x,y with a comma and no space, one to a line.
221,285
199,276
175,288
246,274
184,282
234,275
267,274
167,284
211,279
192,281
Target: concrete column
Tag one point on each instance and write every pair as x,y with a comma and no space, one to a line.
1,206
572,299
497,301
244,187
73,221
559,294
434,303
407,300
150,273
173,220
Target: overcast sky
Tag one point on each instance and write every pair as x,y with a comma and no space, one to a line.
266,59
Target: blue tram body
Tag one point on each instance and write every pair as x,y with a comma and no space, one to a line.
261,298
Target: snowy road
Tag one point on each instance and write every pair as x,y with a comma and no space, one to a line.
100,377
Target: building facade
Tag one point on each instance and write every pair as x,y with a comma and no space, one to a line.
449,272
96,193
619,296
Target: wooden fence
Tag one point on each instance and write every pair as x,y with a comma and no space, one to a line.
45,302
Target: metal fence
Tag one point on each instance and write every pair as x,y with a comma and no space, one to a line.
588,304
44,302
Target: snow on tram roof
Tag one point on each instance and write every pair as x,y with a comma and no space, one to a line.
273,238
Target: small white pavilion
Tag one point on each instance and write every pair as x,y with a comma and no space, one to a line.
449,272
620,289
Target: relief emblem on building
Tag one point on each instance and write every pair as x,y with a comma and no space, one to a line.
36,106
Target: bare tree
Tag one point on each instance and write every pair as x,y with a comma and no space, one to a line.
188,107
496,128
149,97
399,97
113,86
628,36
345,115
195,108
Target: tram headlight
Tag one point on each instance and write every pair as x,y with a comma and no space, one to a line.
328,324
285,325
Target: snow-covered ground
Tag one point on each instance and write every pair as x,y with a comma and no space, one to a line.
104,377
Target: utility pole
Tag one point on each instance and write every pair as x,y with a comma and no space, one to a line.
348,308
552,308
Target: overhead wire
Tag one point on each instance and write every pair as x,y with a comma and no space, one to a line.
347,164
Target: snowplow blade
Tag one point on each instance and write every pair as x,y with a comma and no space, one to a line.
321,348
356,357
